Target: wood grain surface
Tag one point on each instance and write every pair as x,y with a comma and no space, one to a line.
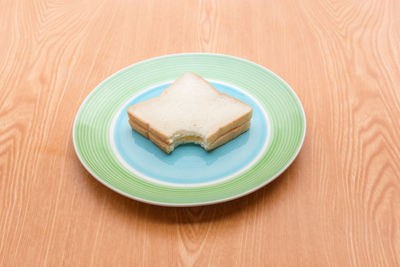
337,205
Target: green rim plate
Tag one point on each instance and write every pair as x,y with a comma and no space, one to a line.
91,131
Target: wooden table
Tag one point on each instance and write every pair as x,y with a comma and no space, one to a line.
337,205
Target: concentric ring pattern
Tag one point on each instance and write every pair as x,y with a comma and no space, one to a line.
94,118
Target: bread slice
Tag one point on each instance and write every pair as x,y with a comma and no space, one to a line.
168,148
190,111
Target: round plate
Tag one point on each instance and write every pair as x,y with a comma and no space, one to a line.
133,166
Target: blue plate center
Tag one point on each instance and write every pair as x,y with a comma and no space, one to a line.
190,164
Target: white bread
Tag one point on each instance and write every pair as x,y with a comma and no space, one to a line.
190,110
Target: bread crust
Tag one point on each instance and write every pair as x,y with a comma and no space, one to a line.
164,146
164,138
228,127
169,147
233,133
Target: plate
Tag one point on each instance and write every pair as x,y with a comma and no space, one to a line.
133,166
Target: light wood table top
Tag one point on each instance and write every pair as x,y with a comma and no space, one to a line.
337,205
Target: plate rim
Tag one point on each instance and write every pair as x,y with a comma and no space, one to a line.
197,203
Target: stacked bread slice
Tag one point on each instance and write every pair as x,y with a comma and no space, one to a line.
190,111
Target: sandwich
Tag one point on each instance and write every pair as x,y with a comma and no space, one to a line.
190,110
